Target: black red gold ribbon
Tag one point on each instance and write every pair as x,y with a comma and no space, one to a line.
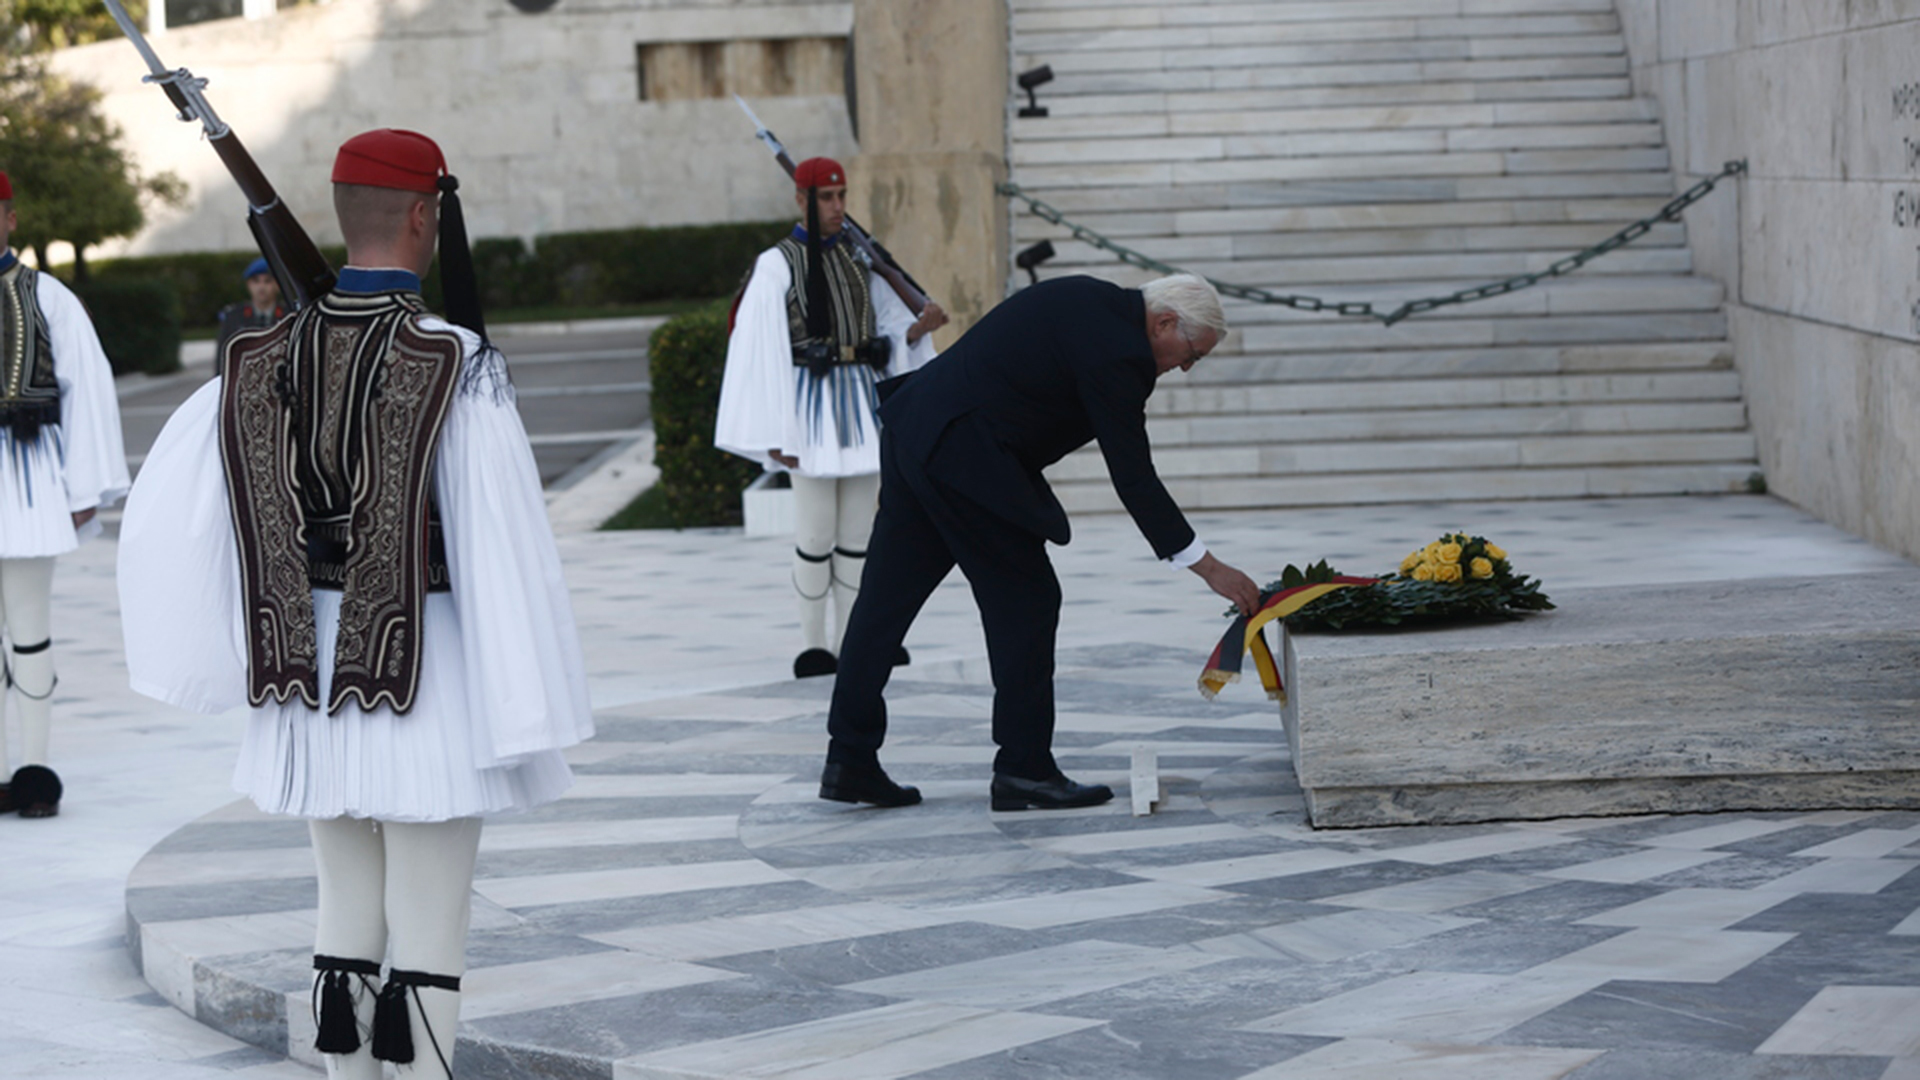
1247,635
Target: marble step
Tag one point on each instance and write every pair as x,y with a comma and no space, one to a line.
1482,165
1527,77
1566,100
1194,147
1259,492
1254,232
1544,192
1306,274
1426,455
1579,293
1258,28
1428,363
1470,329
1516,421
1340,220
1039,17
1578,309
1248,117
1446,240
1070,64
1446,393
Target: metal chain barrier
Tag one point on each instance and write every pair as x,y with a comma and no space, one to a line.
1365,308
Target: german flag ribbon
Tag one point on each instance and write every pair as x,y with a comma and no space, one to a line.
1247,635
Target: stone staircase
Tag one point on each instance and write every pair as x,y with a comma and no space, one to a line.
1386,150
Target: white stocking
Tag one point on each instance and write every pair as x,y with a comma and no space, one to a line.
859,500
815,503
349,855
429,906
26,591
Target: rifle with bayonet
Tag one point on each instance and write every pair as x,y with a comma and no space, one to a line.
882,260
303,272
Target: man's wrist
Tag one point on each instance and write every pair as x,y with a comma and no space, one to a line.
1186,557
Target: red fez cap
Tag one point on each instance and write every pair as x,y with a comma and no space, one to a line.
819,172
390,158
6,187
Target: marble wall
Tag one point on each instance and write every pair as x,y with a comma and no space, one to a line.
1820,245
540,115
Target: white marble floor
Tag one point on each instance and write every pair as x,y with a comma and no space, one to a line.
668,618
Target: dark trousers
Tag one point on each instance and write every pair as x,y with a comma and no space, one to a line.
924,530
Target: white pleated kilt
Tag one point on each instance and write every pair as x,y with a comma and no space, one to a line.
417,767
35,521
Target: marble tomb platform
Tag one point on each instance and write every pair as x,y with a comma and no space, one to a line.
1763,694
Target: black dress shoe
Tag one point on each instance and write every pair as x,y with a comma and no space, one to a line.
1059,793
6,799
864,784
814,662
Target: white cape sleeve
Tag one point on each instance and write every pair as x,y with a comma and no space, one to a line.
526,679
179,574
96,460
892,317
757,411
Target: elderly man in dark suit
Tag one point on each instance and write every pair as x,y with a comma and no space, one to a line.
962,448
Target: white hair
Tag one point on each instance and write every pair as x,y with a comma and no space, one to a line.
1189,297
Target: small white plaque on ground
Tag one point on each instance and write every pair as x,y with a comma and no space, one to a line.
1146,780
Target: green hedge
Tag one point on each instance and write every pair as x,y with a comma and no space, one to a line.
582,269
138,322
687,356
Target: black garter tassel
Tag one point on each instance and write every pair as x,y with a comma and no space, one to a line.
333,1010
392,1028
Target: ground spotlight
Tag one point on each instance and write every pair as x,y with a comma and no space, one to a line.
1039,76
1033,257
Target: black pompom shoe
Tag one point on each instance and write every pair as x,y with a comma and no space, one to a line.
814,662
36,791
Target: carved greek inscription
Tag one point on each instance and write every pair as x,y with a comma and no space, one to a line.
1906,101
1906,209
1906,201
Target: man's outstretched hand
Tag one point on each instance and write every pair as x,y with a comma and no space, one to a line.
1228,582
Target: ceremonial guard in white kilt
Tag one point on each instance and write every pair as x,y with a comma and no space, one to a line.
814,329
61,460
346,532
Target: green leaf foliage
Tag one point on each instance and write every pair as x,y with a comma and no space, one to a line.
72,177
138,322
687,357
567,270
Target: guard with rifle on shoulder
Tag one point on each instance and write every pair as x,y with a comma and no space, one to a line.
822,318
345,531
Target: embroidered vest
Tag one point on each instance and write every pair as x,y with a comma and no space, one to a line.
328,424
29,393
851,314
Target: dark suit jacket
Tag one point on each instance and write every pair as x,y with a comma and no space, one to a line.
1054,366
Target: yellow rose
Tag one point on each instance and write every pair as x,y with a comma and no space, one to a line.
1424,572
1482,568
1409,562
1431,549
1448,553
1448,573
1494,551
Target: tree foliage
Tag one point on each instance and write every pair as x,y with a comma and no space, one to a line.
72,177
56,24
